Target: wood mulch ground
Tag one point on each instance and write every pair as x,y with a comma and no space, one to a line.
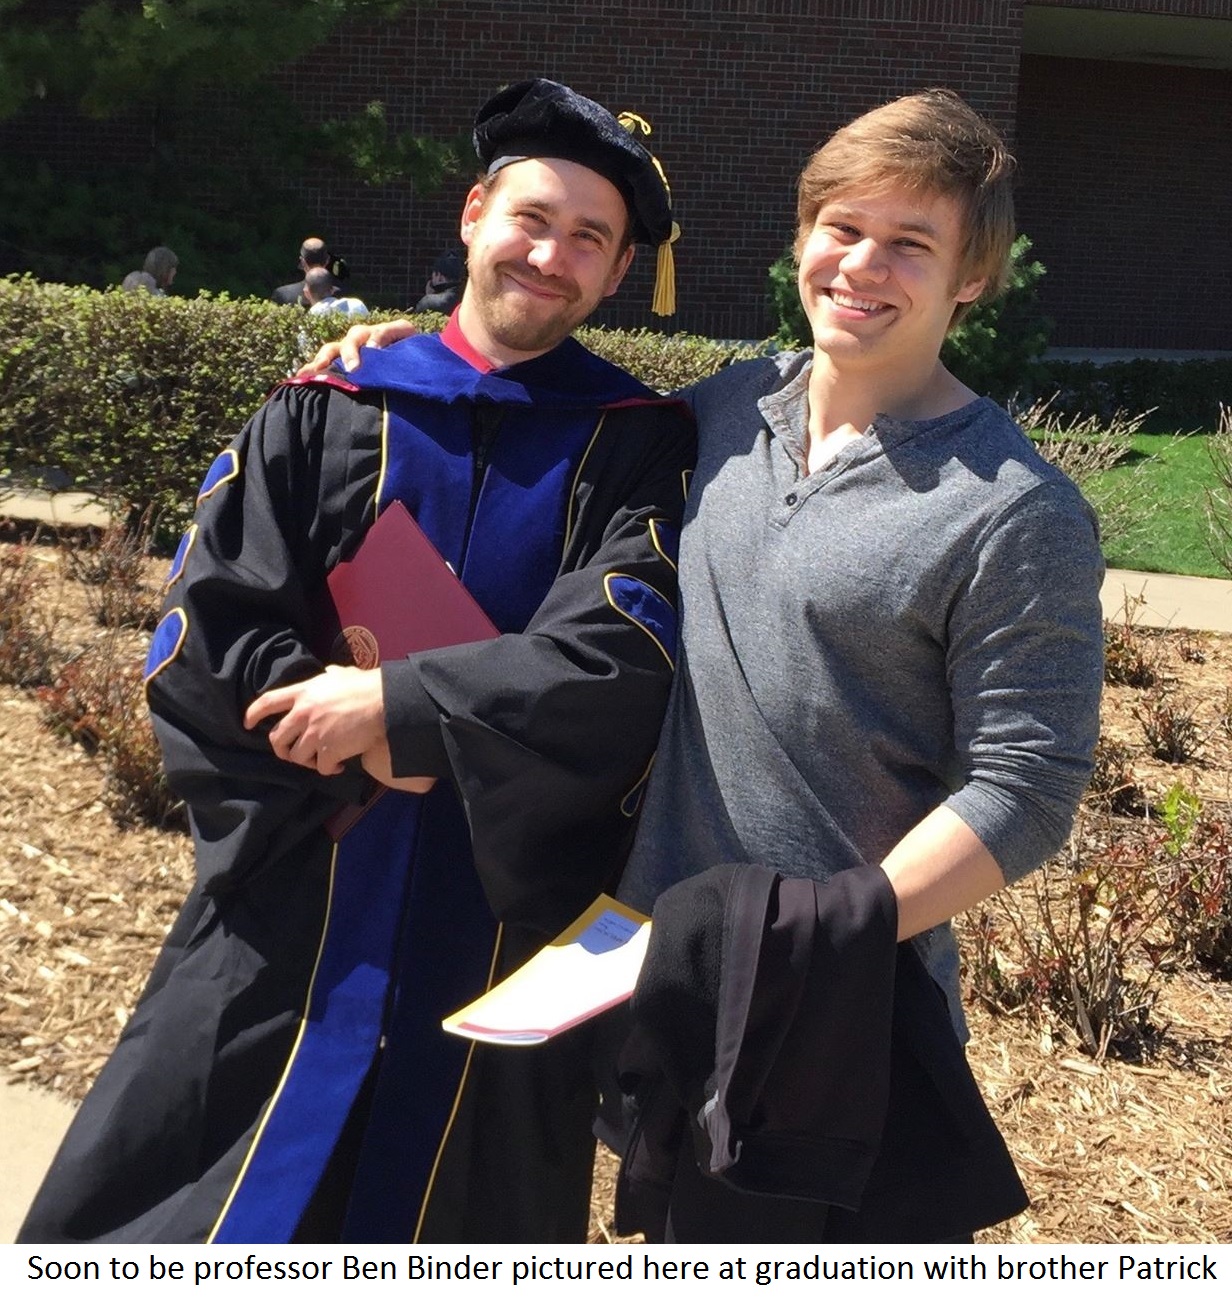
1111,1151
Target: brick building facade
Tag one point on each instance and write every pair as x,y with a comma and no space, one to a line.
1120,113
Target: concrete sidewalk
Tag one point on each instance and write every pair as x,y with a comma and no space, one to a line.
69,509
1169,601
31,1125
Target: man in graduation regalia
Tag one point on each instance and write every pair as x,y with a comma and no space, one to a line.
285,1075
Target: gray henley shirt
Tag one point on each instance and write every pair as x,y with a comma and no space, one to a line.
917,623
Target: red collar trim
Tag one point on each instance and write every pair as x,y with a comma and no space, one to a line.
334,379
453,339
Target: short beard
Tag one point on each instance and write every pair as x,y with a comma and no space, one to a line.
525,334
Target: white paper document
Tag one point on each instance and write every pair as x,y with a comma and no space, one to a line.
590,967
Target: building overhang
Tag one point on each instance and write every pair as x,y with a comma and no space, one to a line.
1076,33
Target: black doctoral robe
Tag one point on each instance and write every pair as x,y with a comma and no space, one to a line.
284,1073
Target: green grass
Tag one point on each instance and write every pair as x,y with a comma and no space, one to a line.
1168,476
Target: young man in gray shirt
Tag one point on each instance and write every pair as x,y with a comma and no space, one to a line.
892,645
891,639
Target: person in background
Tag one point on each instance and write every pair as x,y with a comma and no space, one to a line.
319,290
162,264
138,283
313,253
444,286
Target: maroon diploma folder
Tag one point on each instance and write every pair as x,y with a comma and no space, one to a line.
395,596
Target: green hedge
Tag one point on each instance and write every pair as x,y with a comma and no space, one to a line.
131,396
1179,396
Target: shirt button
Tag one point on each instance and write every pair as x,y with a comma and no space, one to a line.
791,500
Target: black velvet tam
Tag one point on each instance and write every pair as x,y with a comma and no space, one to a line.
543,119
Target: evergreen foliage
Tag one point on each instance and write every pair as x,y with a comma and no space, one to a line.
109,56
224,144
996,346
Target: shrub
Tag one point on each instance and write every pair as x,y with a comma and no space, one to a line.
1169,723
1083,941
664,362
133,395
1199,845
793,330
996,348
27,650
1131,659
112,568
1219,496
1112,780
98,700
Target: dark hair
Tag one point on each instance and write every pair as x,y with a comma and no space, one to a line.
160,263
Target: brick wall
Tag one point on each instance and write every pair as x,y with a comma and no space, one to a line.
738,93
1126,190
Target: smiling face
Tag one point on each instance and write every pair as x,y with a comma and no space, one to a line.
880,277
546,244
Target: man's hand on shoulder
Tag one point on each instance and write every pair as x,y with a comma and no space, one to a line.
325,720
358,337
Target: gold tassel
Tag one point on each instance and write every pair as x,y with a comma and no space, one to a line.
633,122
664,302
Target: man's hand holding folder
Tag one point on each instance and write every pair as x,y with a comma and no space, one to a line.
326,719
376,761
394,597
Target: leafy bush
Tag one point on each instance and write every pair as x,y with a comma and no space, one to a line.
996,347
793,330
132,395
1199,875
664,362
